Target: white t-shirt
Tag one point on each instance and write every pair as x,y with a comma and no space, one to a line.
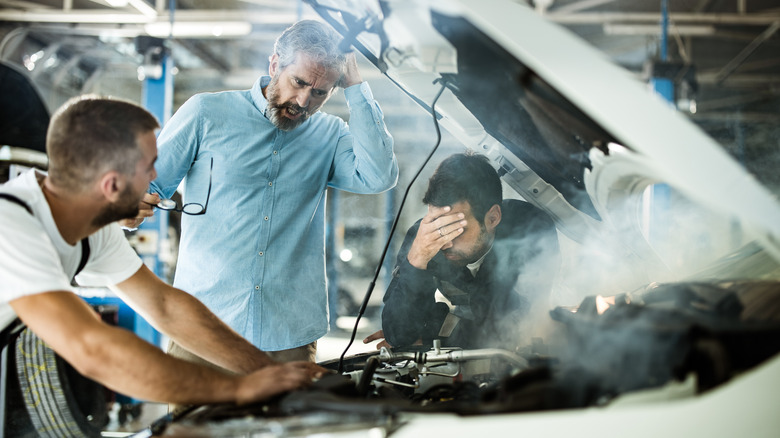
34,258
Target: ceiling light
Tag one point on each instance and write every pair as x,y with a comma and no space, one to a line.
206,29
653,29
117,3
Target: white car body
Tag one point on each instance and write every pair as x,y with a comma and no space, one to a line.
658,145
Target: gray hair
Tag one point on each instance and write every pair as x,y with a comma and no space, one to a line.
90,135
315,39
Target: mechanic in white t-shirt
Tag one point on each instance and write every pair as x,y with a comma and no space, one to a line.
101,159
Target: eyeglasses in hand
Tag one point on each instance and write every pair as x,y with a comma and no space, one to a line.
191,208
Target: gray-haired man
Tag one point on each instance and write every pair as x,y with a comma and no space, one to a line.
257,256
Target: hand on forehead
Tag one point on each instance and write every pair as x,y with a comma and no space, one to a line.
457,207
445,215
438,211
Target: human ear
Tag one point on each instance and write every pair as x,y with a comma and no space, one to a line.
493,217
111,185
273,65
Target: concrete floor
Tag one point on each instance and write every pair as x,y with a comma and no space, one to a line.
329,347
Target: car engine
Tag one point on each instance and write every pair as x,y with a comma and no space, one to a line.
694,335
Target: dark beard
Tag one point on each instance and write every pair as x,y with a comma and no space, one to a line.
127,208
479,248
274,111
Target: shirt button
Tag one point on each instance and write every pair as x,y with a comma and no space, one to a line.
276,152
260,253
270,184
266,218
257,287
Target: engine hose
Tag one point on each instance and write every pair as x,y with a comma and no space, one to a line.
368,373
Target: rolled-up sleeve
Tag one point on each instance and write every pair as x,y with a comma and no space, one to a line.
364,160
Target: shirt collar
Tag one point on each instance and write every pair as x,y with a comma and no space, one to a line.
474,267
261,103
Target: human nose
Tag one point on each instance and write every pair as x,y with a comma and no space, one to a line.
302,99
447,245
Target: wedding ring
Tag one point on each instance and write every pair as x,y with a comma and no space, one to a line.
440,233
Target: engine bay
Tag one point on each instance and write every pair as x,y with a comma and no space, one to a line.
691,336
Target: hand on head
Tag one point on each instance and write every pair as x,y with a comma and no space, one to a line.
351,72
437,229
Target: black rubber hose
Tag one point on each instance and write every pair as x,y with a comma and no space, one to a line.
368,373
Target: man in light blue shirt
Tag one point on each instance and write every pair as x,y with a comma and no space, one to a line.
256,257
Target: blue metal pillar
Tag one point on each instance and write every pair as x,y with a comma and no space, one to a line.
664,86
152,234
661,193
158,99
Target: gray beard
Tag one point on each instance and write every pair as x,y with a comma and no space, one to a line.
282,122
274,109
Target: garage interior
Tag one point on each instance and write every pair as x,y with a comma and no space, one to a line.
722,57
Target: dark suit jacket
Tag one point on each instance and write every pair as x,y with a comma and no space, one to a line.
488,306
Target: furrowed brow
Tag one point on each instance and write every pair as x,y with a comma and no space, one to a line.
302,81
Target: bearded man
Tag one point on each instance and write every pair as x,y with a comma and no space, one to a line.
471,271
256,256
58,228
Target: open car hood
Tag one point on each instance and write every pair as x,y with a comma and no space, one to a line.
569,131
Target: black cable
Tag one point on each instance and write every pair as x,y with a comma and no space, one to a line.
395,224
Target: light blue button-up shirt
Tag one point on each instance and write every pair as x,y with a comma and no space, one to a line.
257,257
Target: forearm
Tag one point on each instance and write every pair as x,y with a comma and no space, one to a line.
400,323
409,306
372,144
125,363
116,357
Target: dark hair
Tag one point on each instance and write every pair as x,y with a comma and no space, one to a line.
316,39
90,135
465,177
